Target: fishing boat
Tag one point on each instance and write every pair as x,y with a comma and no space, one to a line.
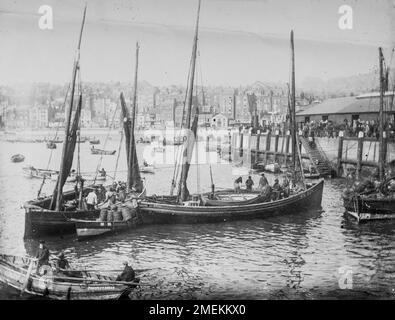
376,204
18,158
51,145
94,141
102,152
129,219
147,169
32,172
183,209
20,274
50,215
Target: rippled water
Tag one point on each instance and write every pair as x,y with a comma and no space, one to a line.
289,257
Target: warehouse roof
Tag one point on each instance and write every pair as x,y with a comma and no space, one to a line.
343,105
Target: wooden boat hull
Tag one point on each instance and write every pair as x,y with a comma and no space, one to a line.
91,229
18,158
159,213
13,272
366,209
42,222
103,152
239,199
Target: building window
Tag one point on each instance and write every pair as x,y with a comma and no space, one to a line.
306,119
324,118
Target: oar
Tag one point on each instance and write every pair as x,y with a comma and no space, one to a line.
131,283
29,271
103,271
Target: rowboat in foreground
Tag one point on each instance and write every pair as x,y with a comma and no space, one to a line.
100,151
20,274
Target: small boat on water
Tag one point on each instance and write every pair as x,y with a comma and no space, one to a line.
94,141
104,152
51,145
147,169
18,158
20,273
32,172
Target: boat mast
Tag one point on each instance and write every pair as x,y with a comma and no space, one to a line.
293,117
132,158
68,120
381,117
183,191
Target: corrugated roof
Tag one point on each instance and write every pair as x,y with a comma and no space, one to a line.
343,106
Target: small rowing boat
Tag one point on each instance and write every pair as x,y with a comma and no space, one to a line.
103,152
18,158
32,172
20,273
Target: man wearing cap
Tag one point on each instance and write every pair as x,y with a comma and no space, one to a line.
127,274
42,255
262,181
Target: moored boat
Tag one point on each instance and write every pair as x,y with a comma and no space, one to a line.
370,202
20,274
155,212
18,158
103,152
51,145
32,172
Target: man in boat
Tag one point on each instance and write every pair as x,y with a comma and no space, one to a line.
237,184
91,199
262,181
285,187
62,262
249,183
127,274
276,190
122,193
110,196
42,255
103,172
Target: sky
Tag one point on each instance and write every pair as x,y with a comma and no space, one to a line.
240,41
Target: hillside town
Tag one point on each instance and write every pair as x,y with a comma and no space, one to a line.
42,106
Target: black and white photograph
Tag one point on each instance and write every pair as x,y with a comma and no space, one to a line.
206,150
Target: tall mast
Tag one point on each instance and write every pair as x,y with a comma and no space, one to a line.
183,191
381,118
68,119
133,117
293,117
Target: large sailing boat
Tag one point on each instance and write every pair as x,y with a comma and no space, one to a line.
50,215
184,208
374,204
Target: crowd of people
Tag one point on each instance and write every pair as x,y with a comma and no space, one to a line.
330,129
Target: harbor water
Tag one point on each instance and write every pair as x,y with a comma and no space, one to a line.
308,255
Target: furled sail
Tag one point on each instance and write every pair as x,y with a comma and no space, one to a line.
134,177
69,154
